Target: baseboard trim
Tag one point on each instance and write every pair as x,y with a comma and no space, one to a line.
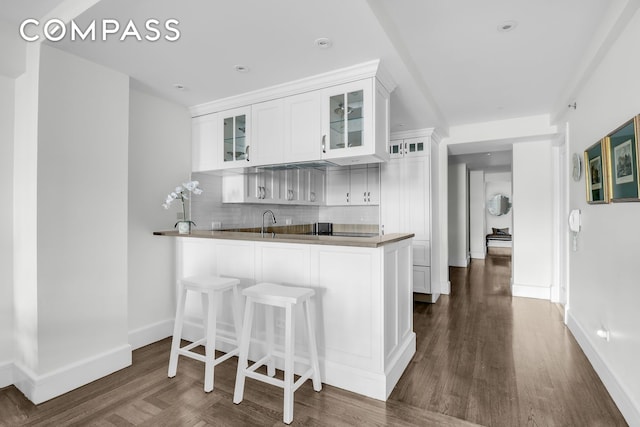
461,262
149,334
478,255
399,363
620,396
40,388
527,291
6,374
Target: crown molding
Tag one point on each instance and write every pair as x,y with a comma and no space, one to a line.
320,81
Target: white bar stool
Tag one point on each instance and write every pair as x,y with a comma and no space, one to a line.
271,295
210,288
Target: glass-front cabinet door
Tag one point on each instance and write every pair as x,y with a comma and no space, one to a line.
347,119
235,132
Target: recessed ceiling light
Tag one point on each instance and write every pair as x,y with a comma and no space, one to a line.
178,86
323,43
488,154
241,68
507,26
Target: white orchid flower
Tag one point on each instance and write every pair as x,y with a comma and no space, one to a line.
178,189
173,195
189,185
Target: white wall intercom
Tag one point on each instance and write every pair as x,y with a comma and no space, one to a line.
574,221
575,224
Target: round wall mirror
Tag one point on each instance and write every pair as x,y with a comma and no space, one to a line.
499,205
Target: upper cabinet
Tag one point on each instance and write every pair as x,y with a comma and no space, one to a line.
408,147
303,127
356,185
341,117
267,132
235,126
355,123
204,143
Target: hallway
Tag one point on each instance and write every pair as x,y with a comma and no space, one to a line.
494,360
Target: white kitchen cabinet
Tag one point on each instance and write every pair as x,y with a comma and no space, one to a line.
421,279
235,126
341,116
338,186
252,187
355,122
303,127
310,186
267,132
408,147
204,143
355,186
406,202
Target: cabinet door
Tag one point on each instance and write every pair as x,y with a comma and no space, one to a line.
373,184
317,187
338,187
415,147
391,190
204,143
358,186
347,120
416,196
267,132
303,127
421,279
396,148
234,126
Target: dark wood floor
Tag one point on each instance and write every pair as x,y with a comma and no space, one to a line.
483,357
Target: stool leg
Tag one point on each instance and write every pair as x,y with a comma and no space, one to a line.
237,319
289,344
210,343
313,348
177,331
238,393
271,367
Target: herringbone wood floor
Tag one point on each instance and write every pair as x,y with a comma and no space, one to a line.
482,356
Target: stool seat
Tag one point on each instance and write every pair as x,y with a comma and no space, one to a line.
271,295
210,288
209,282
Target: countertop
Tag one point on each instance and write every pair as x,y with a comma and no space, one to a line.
363,242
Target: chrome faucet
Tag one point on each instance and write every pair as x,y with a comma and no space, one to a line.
273,218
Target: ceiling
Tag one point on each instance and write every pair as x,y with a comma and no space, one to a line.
451,63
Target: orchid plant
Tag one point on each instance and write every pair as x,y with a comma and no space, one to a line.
181,193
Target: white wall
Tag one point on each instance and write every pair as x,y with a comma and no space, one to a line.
532,222
458,215
159,160
6,223
604,279
70,223
498,183
477,214
439,217
82,209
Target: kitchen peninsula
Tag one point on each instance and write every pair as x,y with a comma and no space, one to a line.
364,303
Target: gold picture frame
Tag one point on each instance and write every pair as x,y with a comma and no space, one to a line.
622,162
596,174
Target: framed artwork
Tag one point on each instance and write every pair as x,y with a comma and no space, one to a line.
622,150
595,173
